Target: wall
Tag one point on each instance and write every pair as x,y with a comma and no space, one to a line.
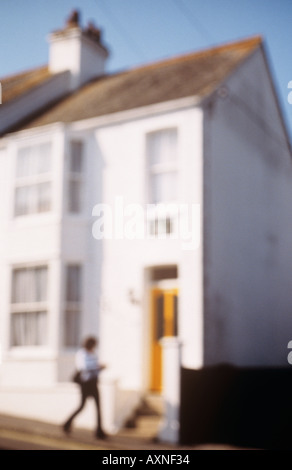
92,61
77,244
115,286
29,240
125,324
248,227
75,52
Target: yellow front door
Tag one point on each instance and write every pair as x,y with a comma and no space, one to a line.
164,323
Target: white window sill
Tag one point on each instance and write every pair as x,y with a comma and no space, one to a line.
29,353
42,218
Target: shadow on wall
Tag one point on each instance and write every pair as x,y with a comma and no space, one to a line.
245,407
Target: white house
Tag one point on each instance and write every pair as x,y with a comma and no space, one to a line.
150,203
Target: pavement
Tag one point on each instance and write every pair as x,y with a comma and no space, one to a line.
25,434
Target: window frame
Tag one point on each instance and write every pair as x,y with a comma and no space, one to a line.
72,307
75,177
165,227
29,307
33,181
161,168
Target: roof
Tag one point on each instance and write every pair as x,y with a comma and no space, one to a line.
16,85
195,74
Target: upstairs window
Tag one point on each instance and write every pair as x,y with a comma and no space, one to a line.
161,149
162,184
33,188
75,177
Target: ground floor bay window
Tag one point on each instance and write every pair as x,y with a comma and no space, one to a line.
29,309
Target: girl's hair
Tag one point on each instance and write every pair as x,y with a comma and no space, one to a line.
90,342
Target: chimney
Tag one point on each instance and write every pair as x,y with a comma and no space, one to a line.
78,50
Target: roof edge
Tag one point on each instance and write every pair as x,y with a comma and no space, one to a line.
253,42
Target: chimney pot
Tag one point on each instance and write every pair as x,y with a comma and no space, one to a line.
74,19
79,51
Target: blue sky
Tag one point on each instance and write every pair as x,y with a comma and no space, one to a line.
142,31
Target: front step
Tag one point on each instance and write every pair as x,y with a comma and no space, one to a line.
146,419
155,402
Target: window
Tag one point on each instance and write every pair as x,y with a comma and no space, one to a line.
159,225
161,148
29,306
75,183
33,180
73,305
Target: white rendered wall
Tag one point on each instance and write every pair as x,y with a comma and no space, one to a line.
92,60
77,243
114,166
64,53
26,241
74,52
125,345
248,224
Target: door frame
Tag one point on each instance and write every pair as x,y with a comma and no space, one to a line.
155,351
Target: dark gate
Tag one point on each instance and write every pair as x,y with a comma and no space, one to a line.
246,407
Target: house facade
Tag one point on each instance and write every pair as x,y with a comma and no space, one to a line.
145,204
